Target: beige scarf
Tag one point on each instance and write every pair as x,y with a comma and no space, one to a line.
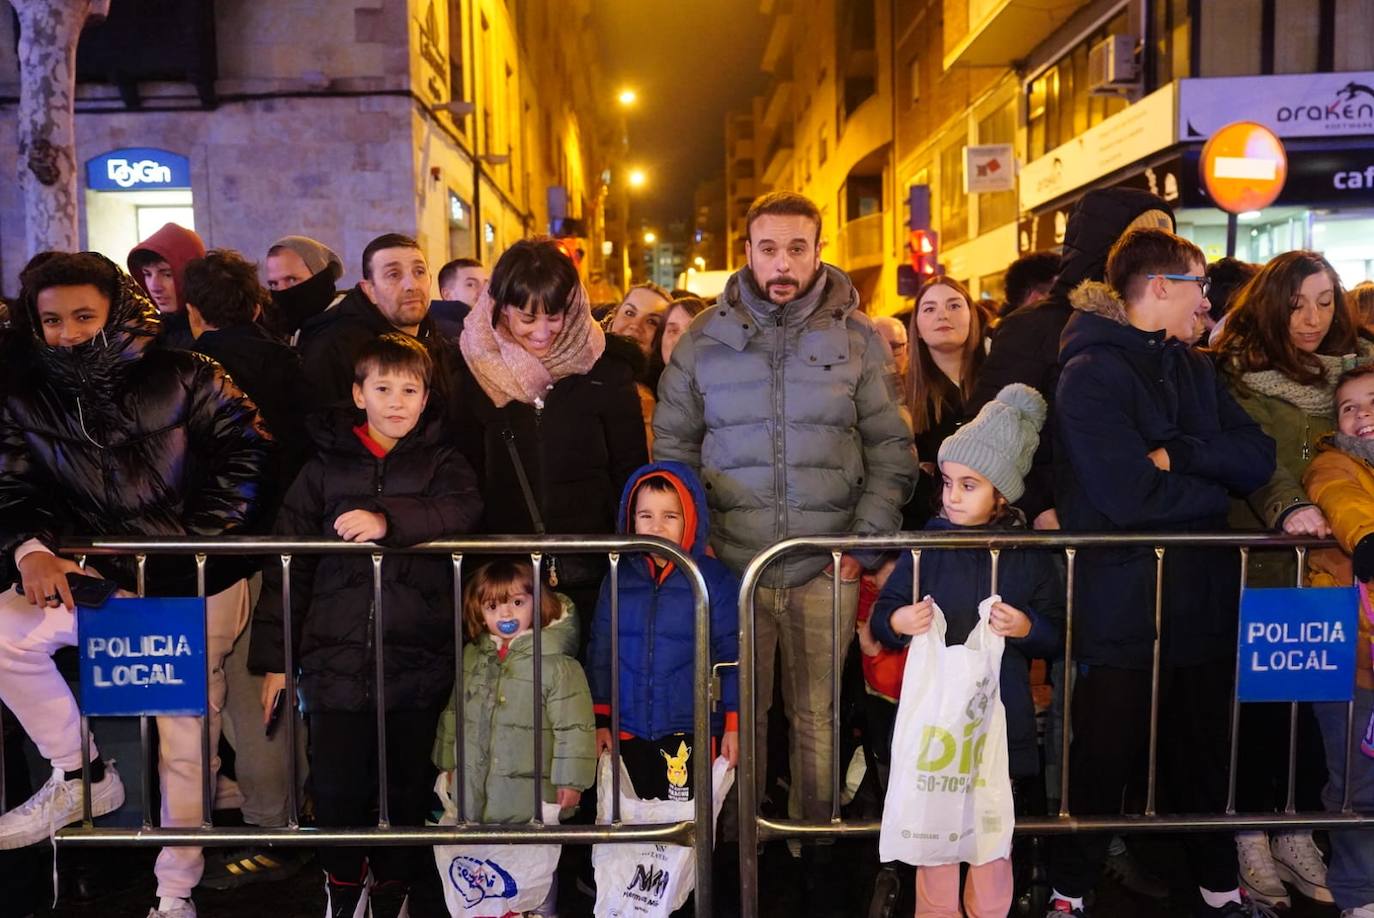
509,373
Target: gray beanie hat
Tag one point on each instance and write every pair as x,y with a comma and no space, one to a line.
316,255
999,443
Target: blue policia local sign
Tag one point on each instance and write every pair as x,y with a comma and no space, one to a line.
142,656
1298,644
138,169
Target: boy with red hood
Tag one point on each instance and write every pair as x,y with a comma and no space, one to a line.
158,263
657,635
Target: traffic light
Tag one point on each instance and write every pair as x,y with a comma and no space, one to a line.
924,246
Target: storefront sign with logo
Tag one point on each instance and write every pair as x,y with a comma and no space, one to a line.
989,168
1298,644
1290,105
1125,138
142,656
1045,229
138,169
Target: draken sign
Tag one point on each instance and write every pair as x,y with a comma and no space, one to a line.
1290,105
138,169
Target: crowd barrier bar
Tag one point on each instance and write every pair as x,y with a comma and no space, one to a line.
754,828
697,832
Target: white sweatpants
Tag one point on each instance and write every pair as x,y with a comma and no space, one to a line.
32,688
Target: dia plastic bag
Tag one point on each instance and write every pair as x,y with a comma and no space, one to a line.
949,797
647,880
490,881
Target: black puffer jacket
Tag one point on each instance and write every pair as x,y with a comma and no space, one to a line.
121,437
426,491
330,341
1026,346
577,452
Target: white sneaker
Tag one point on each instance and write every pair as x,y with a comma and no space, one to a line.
1258,875
184,908
1299,861
58,804
1364,911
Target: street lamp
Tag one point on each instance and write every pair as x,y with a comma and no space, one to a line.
637,178
627,97
650,238
700,263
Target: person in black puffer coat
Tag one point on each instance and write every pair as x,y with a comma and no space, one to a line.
1025,348
105,433
552,388
388,478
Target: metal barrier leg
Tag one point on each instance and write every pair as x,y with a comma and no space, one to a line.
703,822
289,695
835,666
150,760
459,768
1070,556
1291,806
383,784
1235,699
207,790
536,561
746,778
615,689
1153,766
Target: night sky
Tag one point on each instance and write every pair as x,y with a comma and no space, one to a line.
691,61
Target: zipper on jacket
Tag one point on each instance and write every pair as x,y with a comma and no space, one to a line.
649,663
780,434
543,479
378,476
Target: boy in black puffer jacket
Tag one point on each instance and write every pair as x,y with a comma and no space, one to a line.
393,480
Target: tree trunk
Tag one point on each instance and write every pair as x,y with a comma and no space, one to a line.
48,32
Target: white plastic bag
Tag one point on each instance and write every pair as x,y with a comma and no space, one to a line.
647,879
489,881
949,798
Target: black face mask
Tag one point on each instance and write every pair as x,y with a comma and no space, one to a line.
295,305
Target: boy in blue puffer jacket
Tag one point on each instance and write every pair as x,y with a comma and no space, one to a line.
657,639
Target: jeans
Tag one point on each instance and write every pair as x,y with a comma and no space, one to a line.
1351,873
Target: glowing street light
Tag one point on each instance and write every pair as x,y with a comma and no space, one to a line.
637,178
650,238
700,263
627,97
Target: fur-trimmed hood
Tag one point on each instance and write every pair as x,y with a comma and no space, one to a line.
1099,299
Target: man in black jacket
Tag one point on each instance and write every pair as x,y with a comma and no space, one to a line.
111,435
392,296
1025,348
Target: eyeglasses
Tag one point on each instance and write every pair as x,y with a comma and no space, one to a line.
1199,279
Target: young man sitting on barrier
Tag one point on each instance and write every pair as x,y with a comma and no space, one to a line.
105,433
384,473
1149,440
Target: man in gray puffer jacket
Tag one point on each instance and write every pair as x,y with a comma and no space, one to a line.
784,398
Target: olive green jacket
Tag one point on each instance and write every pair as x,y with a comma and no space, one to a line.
498,713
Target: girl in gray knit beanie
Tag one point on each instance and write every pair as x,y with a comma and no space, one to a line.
997,447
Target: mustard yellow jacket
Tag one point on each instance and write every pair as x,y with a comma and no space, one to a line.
1343,486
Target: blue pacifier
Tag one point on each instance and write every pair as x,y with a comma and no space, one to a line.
508,626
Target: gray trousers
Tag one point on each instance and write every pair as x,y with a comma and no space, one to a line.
259,763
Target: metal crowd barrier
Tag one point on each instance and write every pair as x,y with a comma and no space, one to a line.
754,828
696,832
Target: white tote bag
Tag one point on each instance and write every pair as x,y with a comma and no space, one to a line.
949,798
647,880
489,881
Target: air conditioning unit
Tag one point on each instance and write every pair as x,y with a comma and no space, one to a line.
1112,66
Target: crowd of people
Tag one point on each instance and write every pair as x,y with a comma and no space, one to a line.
1125,386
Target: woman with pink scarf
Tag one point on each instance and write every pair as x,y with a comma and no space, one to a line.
552,419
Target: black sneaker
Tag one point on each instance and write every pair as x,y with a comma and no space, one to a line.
230,868
343,899
388,899
887,887
1246,908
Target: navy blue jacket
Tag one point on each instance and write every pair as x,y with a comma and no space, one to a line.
959,579
657,628
1122,393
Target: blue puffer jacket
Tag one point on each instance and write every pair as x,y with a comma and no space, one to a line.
657,632
958,580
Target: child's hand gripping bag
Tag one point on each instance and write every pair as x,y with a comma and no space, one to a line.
949,797
491,881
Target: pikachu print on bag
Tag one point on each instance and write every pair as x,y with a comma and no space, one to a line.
677,771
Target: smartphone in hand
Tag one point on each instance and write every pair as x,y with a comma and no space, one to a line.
273,719
91,592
